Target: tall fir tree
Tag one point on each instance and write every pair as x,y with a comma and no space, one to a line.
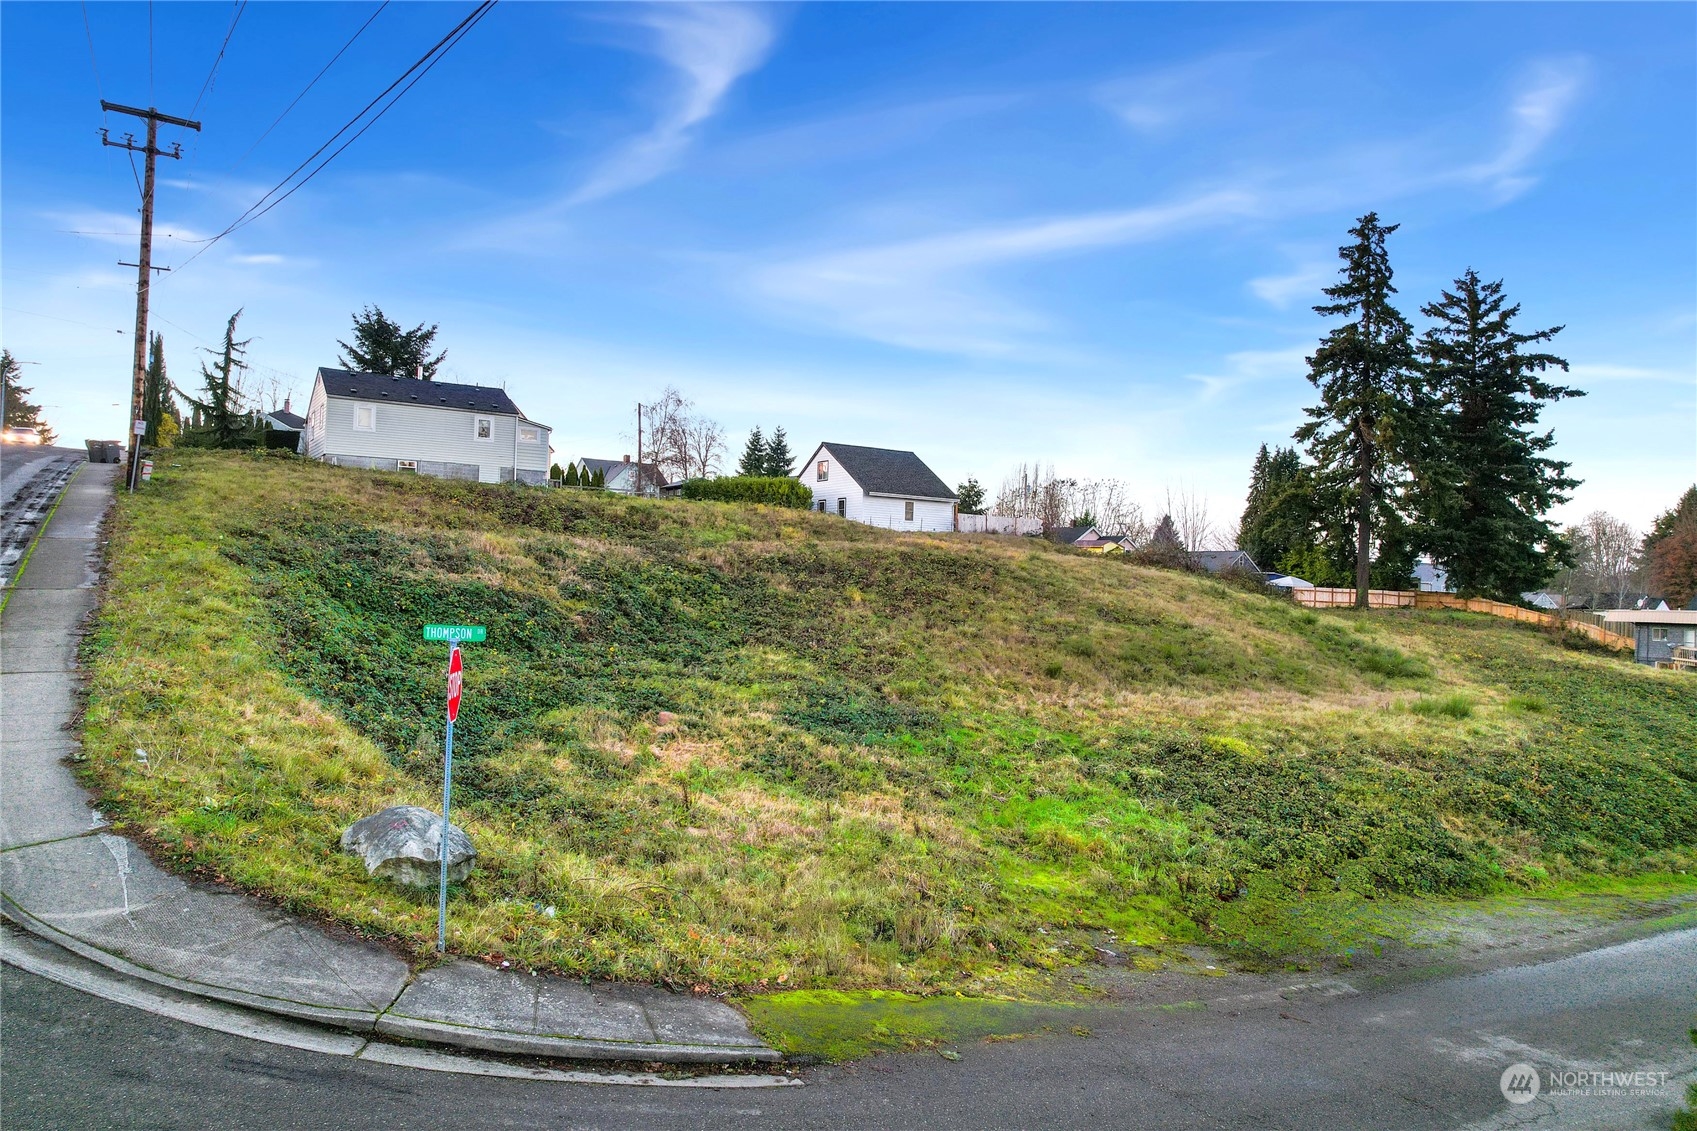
753,460
570,479
780,461
157,401
21,412
1279,515
380,345
1365,372
222,416
1482,482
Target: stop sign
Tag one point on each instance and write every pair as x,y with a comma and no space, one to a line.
454,669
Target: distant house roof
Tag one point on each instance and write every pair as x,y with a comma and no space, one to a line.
286,420
884,471
1544,599
1286,581
1430,577
1650,616
1216,560
410,390
1070,535
608,467
1652,603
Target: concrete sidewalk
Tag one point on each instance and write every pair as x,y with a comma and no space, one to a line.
66,877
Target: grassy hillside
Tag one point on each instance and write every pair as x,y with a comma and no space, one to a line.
741,746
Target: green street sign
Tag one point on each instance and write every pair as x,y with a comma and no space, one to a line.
454,633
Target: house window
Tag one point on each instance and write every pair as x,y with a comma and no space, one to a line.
529,434
365,418
406,464
907,509
1658,634
842,508
483,427
823,472
821,506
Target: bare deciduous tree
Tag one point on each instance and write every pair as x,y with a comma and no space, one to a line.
1190,516
679,442
704,444
1605,561
1035,491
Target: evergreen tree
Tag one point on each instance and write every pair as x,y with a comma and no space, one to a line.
157,401
599,482
971,496
570,478
1279,515
1166,534
1364,371
753,460
381,346
223,419
20,411
1482,482
780,461
1670,552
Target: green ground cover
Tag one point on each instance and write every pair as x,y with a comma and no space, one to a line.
765,749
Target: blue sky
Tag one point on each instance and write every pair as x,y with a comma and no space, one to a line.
1087,235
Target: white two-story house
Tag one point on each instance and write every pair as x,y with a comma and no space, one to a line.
431,427
878,486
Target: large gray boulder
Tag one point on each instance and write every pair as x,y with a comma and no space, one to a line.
401,843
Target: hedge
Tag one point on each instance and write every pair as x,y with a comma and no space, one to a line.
777,490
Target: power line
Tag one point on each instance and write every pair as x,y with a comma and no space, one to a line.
422,67
235,19
98,89
313,83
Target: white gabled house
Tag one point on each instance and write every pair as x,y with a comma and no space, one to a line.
620,474
878,486
431,427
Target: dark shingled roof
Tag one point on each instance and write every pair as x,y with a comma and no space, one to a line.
1215,560
288,419
883,471
410,390
1067,535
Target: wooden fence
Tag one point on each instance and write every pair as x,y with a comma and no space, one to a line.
1332,598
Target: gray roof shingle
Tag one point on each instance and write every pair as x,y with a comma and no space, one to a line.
410,390
884,471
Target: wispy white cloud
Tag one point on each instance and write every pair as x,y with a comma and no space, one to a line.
1537,112
1160,101
1582,375
263,259
920,293
1249,367
1303,283
710,46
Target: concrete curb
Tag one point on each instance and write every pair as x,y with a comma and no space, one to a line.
109,905
46,960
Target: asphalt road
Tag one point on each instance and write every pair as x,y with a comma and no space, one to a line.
19,462
29,481
1428,1055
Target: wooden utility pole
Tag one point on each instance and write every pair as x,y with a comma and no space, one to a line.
639,448
144,266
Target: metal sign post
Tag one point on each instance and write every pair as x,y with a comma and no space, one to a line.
453,634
